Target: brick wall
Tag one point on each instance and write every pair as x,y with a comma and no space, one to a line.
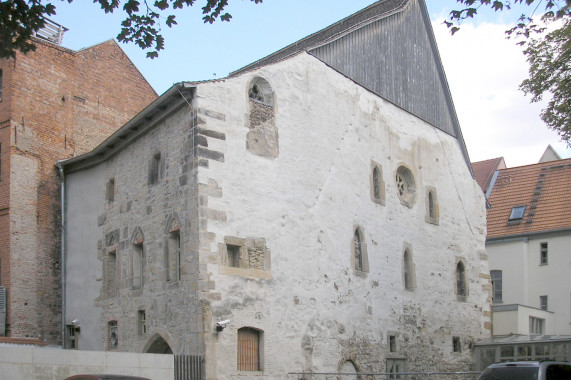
62,103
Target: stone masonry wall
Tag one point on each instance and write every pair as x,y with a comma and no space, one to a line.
62,103
171,306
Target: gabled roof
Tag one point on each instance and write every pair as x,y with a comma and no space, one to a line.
484,171
388,48
545,191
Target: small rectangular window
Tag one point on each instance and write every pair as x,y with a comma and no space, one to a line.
392,343
517,213
113,335
543,254
456,345
70,337
543,302
233,255
142,322
154,169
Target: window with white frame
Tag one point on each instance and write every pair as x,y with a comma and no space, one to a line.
496,275
536,325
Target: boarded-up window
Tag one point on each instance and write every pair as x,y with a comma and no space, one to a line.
173,257
111,274
249,349
408,270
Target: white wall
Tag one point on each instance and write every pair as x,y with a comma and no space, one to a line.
314,311
25,363
525,279
85,199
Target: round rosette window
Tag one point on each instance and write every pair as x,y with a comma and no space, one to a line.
406,186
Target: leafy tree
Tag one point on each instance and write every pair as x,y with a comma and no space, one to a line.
546,42
21,19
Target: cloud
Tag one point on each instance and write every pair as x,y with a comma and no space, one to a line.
484,71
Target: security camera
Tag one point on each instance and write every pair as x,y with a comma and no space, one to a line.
75,322
222,325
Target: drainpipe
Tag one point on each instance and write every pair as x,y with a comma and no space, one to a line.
63,258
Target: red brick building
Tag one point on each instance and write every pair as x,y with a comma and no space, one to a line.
55,103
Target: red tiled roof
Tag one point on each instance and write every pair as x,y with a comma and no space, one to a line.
484,171
545,190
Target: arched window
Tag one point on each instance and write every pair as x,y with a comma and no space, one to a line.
408,270
461,290
406,186
262,139
249,349
359,258
173,249
432,213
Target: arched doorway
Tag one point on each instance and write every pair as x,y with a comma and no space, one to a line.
157,345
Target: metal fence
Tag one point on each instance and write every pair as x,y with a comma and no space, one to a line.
188,367
384,375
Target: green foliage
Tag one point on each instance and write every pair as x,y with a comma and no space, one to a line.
548,53
549,72
21,19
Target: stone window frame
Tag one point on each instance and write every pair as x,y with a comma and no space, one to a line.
432,206
460,281
260,90
377,187
405,182
244,268
408,268
142,326
358,232
154,171
137,258
262,138
110,190
393,342
111,265
244,341
112,335
173,249
456,344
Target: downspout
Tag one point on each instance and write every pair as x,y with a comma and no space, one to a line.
63,257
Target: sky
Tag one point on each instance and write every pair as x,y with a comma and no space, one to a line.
483,69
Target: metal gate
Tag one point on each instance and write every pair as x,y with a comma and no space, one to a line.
188,367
